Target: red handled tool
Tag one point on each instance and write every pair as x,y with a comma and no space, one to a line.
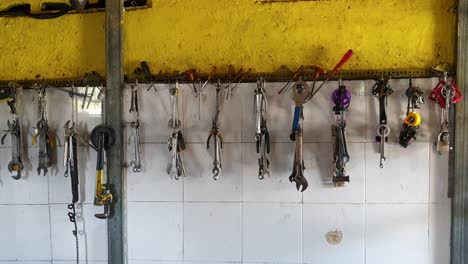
338,66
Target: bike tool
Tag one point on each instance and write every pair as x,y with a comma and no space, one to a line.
445,94
10,96
262,136
382,91
42,133
102,138
412,120
135,125
176,143
341,98
215,134
300,92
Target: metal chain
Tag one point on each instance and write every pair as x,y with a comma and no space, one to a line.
72,217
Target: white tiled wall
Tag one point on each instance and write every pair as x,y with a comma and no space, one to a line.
399,214
34,225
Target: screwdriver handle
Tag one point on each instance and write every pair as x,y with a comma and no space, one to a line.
340,64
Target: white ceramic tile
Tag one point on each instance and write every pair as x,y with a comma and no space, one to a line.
397,233
153,183
25,262
199,184
319,115
154,262
321,222
321,188
212,232
155,231
30,189
439,232
60,111
272,232
60,186
198,130
277,188
92,233
439,176
404,178
397,104
155,112
74,262
25,232
88,117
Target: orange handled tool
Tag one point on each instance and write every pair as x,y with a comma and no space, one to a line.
338,66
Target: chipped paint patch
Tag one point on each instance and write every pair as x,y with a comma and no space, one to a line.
334,237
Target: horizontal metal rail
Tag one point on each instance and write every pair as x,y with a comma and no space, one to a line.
280,76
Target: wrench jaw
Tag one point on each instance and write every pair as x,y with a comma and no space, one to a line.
15,166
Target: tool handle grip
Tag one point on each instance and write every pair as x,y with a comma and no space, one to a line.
297,116
340,64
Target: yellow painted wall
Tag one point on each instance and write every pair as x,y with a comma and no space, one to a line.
182,34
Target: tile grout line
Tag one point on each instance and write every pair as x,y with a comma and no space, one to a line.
429,207
184,111
50,218
242,182
366,109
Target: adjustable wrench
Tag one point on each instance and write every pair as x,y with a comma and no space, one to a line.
300,91
45,143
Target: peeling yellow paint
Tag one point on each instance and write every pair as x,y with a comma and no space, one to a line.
182,34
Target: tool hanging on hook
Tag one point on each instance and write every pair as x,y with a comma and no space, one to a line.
445,94
382,91
216,135
42,133
10,96
342,99
412,120
262,136
102,138
300,91
135,125
176,143
70,162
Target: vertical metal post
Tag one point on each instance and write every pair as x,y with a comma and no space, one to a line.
113,116
459,229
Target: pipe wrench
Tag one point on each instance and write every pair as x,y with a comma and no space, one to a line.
262,136
382,91
102,138
215,134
